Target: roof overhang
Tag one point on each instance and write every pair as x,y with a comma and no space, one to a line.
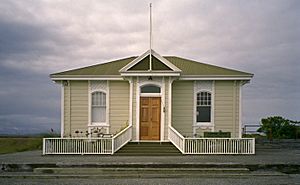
85,77
151,73
216,77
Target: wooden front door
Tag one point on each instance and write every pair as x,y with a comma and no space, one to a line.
150,118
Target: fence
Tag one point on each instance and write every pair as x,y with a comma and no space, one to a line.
211,145
86,145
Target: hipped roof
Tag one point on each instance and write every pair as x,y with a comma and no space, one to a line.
189,68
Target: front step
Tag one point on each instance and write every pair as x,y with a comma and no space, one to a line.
148,149
127,170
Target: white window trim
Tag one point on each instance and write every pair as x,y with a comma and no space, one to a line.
98,124
210,124
203,123
151,94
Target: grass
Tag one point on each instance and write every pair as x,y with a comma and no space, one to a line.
11,145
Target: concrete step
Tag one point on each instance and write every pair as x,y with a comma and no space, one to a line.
148,149
108,171
147,154
33,175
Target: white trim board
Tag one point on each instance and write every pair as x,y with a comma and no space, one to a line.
87,78
62,114
215,78
240,109
144,55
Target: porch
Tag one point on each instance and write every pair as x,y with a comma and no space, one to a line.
110,146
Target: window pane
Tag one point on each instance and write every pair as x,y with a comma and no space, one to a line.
98,107
150,89
98,114
203,114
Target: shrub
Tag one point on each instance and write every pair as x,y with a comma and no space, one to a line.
278,127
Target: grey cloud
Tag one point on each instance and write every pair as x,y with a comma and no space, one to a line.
41,37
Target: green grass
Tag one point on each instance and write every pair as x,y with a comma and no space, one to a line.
11,145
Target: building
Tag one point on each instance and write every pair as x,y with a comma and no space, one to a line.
152,98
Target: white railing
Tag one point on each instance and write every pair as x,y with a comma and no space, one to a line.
77,146
219,146
177,139
122,138
86,145
211,145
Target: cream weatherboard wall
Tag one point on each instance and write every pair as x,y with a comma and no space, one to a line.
182,106
76,107
226,107
118,105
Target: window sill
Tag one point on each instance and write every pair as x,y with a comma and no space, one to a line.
98,125
204,124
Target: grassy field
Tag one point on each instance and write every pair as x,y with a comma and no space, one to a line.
11,145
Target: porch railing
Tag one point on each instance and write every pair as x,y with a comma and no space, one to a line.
121,138
219,146
177,139
87,145
211,145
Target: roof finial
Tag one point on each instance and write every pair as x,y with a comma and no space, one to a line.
150,59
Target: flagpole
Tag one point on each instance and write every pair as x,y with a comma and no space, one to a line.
150,59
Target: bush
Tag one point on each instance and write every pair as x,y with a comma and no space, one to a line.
278,127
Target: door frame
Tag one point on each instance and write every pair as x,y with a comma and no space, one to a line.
157,81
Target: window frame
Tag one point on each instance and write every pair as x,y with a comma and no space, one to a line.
99,106
150,94
196,107
105,123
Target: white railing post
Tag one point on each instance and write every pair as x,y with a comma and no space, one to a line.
183,146
44,146
112,146
253,146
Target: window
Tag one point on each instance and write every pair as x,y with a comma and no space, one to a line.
150,89
203,107
98,107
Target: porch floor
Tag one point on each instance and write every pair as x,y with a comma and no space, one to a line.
148,149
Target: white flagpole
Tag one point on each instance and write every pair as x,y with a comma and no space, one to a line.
150,62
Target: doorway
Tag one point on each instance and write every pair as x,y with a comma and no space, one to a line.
150,110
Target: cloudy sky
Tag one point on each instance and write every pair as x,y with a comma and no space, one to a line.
39,37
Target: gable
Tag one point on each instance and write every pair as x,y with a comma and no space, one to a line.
144,65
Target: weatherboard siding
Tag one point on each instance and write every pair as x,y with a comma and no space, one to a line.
118,105
227,107
75,108
182,106
66,111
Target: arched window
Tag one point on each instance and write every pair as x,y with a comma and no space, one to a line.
203,106
98,107
150,89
